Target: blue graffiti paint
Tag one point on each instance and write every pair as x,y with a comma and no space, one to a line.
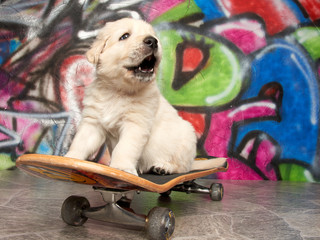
7,47
296,11
14,44
44,148
210,9
297,133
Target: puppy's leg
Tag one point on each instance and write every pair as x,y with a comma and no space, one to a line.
171,147
89,137
128,150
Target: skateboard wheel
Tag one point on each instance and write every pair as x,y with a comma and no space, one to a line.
72,208
216,191
160,223
166,194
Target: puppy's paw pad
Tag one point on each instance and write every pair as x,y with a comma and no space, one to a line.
159,171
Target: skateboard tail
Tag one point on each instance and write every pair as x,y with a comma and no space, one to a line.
209,163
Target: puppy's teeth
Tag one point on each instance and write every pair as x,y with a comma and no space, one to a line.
143,71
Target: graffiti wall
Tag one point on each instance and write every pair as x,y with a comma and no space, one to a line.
244,73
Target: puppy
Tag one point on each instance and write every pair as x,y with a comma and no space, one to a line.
124,108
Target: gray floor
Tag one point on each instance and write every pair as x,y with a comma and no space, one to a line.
30,209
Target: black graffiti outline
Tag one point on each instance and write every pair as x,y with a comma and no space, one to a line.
45,117
74,46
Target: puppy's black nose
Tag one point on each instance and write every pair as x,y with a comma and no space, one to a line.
151,42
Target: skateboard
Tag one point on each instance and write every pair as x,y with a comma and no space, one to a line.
117,189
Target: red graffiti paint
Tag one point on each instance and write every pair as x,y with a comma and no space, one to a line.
192,58
76,73
276,14
312,7
197,120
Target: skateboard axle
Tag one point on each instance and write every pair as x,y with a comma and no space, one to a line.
112,212
191,187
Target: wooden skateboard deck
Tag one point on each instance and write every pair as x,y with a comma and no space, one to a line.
99,175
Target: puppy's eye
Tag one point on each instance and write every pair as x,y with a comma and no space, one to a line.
124,36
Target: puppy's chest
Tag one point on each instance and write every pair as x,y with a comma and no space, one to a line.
112,110
119,111
112,114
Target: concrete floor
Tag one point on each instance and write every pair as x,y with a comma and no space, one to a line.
30,209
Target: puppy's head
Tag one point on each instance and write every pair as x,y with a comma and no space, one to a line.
126,54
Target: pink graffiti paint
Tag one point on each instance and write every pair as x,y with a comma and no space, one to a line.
9,100
12,88
246,150
30,131
220,131
3,137
4,122
158,7
239,171
276,14
27,129
248,35
265,153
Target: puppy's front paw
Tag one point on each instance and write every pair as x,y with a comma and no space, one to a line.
132,171
159,171
73,155
128,170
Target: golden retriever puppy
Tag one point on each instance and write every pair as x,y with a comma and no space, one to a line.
124,108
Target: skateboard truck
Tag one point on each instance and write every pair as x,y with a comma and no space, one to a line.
159,223
216,190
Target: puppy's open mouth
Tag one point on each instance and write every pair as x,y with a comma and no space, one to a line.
146,66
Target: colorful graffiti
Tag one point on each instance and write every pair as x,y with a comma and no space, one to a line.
245,74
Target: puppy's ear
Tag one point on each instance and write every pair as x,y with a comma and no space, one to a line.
95,50
99,44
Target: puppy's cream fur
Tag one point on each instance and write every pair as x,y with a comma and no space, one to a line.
124,107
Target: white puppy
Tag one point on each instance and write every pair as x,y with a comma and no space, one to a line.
124,107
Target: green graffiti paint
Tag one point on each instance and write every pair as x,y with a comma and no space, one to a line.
216,83
294,172
6,162
309,37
